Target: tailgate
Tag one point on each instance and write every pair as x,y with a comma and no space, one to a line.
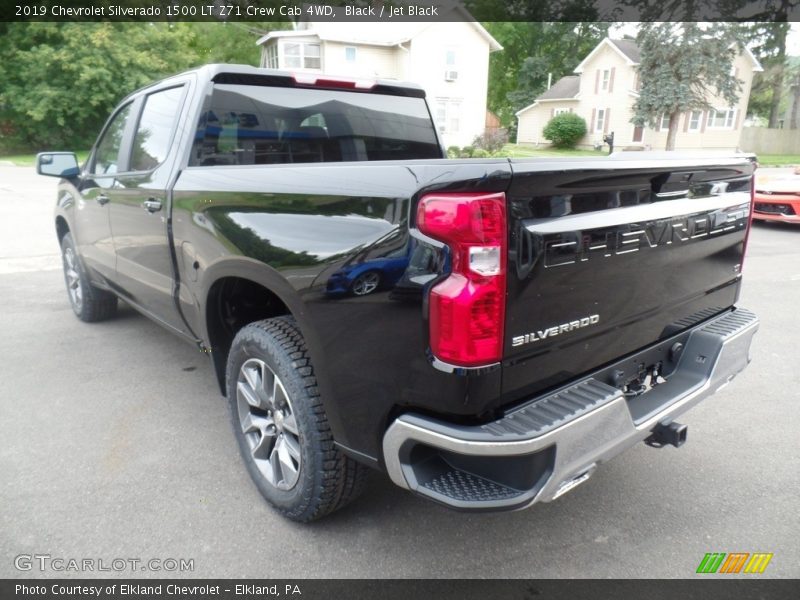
607,256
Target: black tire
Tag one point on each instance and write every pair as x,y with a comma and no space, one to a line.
326,479
89,303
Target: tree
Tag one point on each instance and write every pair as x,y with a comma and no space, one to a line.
681,63
61,80
531,50
767,41
793,73
231,42
763,24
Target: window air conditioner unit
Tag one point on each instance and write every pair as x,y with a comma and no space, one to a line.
450,75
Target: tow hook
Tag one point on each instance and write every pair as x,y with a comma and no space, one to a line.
667,433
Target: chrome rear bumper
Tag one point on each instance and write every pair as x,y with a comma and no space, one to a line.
549,445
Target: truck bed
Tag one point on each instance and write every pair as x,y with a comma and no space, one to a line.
642,247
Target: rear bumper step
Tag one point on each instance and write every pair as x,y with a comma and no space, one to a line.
551,444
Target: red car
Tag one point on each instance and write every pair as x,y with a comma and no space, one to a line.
778,199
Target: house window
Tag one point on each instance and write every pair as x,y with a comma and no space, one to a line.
448,115
350,54
561,111
721,118
664,123
450,58
305,56
695,117
605,79
272,57
600,120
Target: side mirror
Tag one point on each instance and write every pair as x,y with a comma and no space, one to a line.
57,164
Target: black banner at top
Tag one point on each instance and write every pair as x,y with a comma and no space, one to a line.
399,10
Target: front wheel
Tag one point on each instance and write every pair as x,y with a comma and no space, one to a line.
88,302
281,426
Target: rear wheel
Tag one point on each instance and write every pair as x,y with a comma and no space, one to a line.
88,302
281,425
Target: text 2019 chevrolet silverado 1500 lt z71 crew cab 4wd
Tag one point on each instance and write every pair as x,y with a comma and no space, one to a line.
485,331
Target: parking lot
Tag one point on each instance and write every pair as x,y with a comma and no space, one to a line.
115,443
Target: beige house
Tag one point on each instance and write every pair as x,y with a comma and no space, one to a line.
603,93
450,60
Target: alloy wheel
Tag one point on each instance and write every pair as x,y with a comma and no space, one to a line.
366,283
268,424
73,278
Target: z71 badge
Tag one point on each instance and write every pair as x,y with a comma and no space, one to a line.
521,340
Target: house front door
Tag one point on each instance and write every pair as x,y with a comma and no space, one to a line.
638,132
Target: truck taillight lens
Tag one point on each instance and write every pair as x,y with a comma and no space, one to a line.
467,309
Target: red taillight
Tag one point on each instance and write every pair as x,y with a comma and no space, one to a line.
327,82
467,310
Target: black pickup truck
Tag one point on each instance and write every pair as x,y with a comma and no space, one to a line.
486,332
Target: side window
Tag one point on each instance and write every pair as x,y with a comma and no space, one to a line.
107,155
154,132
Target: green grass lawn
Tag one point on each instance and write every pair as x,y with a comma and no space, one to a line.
28,160
779,160
527,151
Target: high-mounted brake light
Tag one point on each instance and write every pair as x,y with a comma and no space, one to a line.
467,309
327,82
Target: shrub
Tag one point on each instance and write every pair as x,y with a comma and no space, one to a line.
481,153
491,140
565,130
454,152
467,151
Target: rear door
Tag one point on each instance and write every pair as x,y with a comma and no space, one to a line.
610,255
139,210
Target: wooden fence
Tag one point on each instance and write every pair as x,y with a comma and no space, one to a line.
762,140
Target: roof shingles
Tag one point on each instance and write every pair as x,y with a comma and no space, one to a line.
564,88
629,48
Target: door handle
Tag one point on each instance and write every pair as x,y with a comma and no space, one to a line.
152,205
102,199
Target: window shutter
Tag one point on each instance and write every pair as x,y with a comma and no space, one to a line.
552,112
605,121
736,119
591,127
703,117
686,122
658,122
611,80
596,80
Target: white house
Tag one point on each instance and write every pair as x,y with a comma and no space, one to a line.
604,89
450,60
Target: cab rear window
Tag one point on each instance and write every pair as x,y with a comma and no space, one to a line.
252,125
